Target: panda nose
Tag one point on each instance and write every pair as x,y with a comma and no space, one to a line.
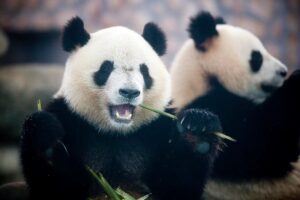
282,72
129,93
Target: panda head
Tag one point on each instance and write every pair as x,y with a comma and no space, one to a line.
233,55
109,73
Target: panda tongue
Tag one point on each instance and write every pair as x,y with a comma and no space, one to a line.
121,109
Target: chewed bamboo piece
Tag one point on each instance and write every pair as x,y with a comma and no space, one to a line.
220,135
39,105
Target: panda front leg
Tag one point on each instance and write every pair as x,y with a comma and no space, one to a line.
47,166
183,171
278,124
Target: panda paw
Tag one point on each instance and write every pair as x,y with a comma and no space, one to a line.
42,131
198,128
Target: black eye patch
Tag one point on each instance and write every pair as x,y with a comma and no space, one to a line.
147,78
101,76
256,61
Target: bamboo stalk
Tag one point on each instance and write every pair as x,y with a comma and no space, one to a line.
159,112
225,137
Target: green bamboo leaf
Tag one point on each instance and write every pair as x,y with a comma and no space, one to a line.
124,195
127,196
144,197
105,185
39,105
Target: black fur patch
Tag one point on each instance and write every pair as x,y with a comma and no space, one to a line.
261,151
101,76
155,37
147,78
201,28
220,20
132,161
256,61
74,35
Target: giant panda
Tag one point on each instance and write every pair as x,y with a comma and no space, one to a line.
95,121
227,70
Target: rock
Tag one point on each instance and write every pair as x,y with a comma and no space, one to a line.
14,191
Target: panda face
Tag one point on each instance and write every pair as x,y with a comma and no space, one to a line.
234,56
124,89
107,79
267,65
258,72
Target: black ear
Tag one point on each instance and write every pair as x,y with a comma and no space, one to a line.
74,35
220,20
155,37
201,28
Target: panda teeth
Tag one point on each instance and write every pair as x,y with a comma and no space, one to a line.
126,116
122,113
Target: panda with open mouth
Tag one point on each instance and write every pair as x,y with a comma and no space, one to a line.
95,120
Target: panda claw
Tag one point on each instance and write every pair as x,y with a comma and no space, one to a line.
182,120
58,147
180,128
64,148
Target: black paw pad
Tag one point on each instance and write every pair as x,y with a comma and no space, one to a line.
203,147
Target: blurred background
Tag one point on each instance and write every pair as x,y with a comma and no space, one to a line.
32,60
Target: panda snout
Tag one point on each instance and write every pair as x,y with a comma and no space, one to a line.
129,93
282,72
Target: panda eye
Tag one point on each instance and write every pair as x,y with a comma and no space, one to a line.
147,78
101,76
256,61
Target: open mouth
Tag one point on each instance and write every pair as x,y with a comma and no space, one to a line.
268,88
122,113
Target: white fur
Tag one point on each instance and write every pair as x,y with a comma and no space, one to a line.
127,49
227,57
